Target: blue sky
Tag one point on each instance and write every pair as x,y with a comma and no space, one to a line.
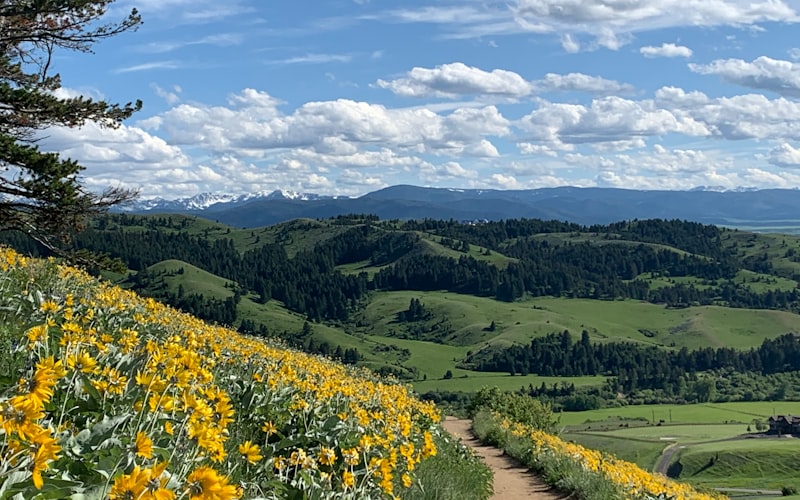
346,97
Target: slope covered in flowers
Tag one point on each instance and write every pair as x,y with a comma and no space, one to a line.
112,395
588,474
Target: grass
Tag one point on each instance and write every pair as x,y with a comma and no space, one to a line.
681,433
434,245
450,475
752,463
468,317
467,381
643,453
715,413
709,456
581,472
193,279
518,322
148,397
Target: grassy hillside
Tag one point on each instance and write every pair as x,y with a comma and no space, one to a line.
460,324
468,319
116,396
751,463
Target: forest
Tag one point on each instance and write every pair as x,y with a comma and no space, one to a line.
697,265
309,282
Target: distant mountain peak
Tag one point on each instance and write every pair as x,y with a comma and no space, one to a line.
204,201
584,205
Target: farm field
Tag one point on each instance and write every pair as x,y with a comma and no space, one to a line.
712,413
714,448
643,453
748,463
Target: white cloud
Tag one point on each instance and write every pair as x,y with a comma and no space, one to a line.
608,119
641,15
750,116
569,44
187,11
458,79
782,77
503,181
219,40
579,82
794,53
666,50
447,172
148,66
172,97
253,126
315,59
785,155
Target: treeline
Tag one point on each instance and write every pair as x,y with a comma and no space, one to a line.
693,237
635,366
717,386
310,284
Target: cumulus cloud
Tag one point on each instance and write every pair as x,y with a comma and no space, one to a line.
611,23
785,155
666,50
448,172
252,125
579,82
607,119
764,73
630,16
458,79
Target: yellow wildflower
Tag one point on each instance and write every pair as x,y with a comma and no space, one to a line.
250,451
143,447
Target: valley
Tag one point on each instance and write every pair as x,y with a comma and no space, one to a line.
430,302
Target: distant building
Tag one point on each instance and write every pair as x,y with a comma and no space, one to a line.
784,424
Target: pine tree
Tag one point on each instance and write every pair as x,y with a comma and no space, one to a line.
41,193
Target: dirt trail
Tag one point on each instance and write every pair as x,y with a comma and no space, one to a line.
512,481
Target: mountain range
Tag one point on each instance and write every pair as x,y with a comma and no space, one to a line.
743,207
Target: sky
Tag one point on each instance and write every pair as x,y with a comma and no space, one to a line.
345,97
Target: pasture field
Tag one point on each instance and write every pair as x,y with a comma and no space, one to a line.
713,413
682,433
747,463
643,453
710,453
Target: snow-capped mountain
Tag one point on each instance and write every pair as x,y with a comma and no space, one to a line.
582,205
204,201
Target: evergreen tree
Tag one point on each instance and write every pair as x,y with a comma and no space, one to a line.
40,193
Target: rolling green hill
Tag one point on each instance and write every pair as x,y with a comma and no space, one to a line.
345,283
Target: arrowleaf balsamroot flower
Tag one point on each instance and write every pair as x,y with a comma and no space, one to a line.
250,451
143,447
206,483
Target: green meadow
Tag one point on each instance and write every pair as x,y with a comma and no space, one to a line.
707,413
714,447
